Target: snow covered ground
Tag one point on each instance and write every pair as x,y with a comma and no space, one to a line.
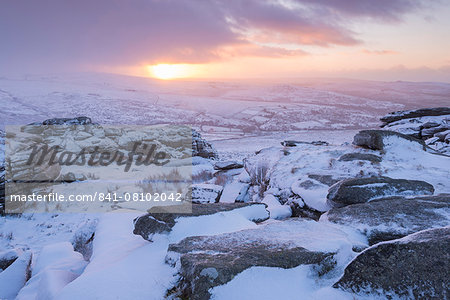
218,107
239,119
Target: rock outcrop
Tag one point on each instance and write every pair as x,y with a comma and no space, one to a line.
209,261
227,165
158,220
15,276
206,193
8,257
361,190
414,267
360,156
408,114
376,139
39,127
432,125
201,147
395,217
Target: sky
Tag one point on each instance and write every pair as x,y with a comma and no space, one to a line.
209,39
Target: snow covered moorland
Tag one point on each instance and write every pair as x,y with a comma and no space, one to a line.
297,194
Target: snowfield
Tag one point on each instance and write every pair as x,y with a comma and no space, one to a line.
284,145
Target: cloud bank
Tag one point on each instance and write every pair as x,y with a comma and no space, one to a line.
61,34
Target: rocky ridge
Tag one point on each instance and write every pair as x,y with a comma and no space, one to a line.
432,125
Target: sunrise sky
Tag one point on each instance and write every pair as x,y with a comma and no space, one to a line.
366,39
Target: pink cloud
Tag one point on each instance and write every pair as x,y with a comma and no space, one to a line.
52,34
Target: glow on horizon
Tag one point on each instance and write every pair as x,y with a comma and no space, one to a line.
171,71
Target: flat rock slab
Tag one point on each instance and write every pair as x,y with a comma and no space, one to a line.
8,257
392,218
206,193
325,179
158,220
228,165
209,261
414,267
360,156
375,139
407,114
361,190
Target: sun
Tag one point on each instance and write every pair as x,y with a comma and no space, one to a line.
168,71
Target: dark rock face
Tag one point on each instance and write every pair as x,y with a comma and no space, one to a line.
8,257
374,139
360,156
324,179
407,114
65,121
209,261
202,148
160,221
206,193
430,124
71,177
228,165
395,217
414,267
68,121
40,127
361,190
290,143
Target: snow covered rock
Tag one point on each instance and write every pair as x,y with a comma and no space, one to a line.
432,125
202,148
391,218
414,267
303,176
408,114
206,193
8,257
328,180
14,277
68,121
235,191
40,127
441,136
431,140
360,156
71,177
295,143
209,261
375,139
276,210
228,165
430,132
360,190
158,221
56,266
82,240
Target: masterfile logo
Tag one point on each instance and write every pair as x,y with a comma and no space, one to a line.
93,168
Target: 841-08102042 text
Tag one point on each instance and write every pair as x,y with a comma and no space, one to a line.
109,197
